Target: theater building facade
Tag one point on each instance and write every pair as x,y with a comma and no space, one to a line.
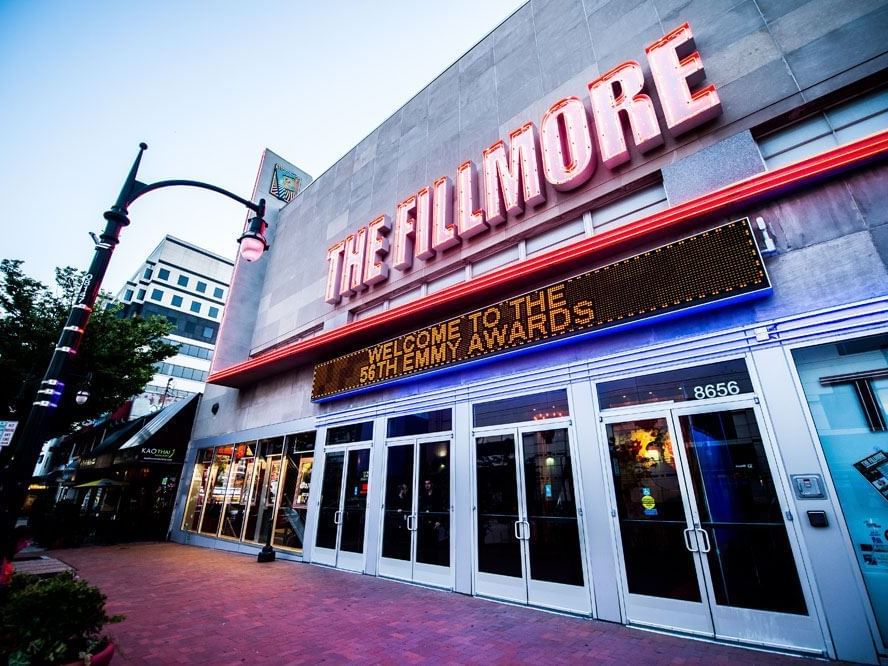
597,322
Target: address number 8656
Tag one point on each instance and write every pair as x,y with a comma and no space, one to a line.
719,390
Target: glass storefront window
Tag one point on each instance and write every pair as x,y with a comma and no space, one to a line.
713,380
253,491
197,492
263,493
218,483
289,528
355,432
536,407
846,387
423,423
238,490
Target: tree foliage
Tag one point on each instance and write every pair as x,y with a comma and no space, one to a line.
119,352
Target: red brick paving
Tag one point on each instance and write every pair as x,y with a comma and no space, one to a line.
189,605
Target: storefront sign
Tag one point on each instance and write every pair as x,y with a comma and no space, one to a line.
157,454
7,430
512,176
711,268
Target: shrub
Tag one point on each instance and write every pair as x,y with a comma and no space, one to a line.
51,620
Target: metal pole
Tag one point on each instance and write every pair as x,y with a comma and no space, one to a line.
52,388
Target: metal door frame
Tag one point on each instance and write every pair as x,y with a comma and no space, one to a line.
728,623
423,574
517,430
333,556
687,616
734,623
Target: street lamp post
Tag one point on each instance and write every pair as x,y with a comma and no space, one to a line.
49,394
166,390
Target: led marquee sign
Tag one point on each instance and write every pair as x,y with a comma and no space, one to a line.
712,268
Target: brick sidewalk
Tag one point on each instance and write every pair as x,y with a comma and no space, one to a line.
188,605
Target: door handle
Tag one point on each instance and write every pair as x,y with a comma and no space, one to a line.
411,522
706,545
337,518
527,533
687,538
517,532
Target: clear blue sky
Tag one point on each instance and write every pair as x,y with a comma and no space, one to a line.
208,85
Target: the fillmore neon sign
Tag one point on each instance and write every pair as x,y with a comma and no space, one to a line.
436,218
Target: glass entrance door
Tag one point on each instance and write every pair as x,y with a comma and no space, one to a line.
416,523
343,509
529,540
703,541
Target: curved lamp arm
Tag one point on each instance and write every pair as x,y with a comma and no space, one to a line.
142,188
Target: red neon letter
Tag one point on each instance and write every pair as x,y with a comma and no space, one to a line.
469,221
334,273
683,110
377,269
443,230
405,220
502,194
568,153
638,107
423,232
353,264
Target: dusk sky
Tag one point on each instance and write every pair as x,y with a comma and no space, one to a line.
208,86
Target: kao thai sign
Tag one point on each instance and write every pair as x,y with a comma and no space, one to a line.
712,268
562,152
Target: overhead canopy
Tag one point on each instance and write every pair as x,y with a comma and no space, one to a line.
157,423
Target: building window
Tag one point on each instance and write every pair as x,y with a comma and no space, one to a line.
191,350
446,280
501,258
141,295
629,208
177,301
195,306
201,286
213,312
536,407
217,292
163,274
207,332
156,295
356,432
181,372
147,274
440,420
182,281
560,235
835,126
128,295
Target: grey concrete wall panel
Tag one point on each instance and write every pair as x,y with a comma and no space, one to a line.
723,163
563,42
825,37
517,65
870,195
879,237
620,29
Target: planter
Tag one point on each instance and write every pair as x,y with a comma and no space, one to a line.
100,658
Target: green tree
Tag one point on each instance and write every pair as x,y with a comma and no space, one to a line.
119,352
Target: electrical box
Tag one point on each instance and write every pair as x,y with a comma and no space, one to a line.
808,486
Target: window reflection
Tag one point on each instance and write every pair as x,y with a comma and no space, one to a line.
289,528
536,407
238,487
197,492
216,494
253,491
